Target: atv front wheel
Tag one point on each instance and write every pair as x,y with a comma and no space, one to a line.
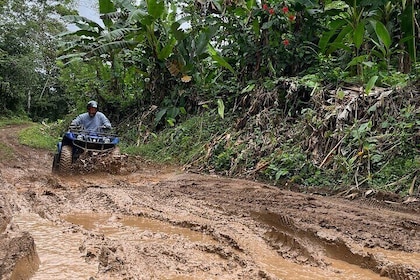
66,159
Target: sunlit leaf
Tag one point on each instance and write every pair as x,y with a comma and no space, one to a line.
221,108
83,22
106,6
70,56
373,108
170,121
256,26
357,60
281,173
105,48
248,88
371,84
250,4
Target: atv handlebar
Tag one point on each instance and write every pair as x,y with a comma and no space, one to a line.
101,131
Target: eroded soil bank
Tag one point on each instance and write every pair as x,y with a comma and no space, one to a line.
154,222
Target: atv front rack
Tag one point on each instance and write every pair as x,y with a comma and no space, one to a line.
92,141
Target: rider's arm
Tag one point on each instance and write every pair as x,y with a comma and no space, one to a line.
105,121
78,120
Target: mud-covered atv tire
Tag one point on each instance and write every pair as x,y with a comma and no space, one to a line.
66,160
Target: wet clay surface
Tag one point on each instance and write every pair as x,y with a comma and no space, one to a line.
157,222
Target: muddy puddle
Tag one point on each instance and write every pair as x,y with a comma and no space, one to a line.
58,248
130,227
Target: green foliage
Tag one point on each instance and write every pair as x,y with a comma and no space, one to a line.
397,175
223,156
287,163
183,143
365,34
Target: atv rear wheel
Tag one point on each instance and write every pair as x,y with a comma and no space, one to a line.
66,159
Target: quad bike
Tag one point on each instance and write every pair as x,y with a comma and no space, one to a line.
80,145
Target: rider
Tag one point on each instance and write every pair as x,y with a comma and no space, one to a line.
92,120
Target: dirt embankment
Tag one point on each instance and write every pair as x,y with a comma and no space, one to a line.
163,223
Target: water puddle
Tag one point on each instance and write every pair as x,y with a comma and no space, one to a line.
116,226
57,249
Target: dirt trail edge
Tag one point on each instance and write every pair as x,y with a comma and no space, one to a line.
156,222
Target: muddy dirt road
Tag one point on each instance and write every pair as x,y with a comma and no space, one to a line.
163,223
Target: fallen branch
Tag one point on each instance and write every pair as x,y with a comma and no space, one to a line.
332,150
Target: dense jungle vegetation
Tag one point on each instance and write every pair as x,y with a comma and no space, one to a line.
314,93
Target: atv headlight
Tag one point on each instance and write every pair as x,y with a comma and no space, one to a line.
107,140
79,137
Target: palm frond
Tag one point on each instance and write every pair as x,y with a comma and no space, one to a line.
83,22
108,47
71,56
117,34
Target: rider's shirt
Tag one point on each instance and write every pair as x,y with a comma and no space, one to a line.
92,123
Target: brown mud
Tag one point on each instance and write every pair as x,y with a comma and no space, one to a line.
159,222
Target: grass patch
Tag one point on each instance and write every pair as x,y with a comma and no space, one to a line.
38,136
13,121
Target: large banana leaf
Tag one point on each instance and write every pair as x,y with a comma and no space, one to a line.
155,8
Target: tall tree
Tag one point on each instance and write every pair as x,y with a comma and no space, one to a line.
28,44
